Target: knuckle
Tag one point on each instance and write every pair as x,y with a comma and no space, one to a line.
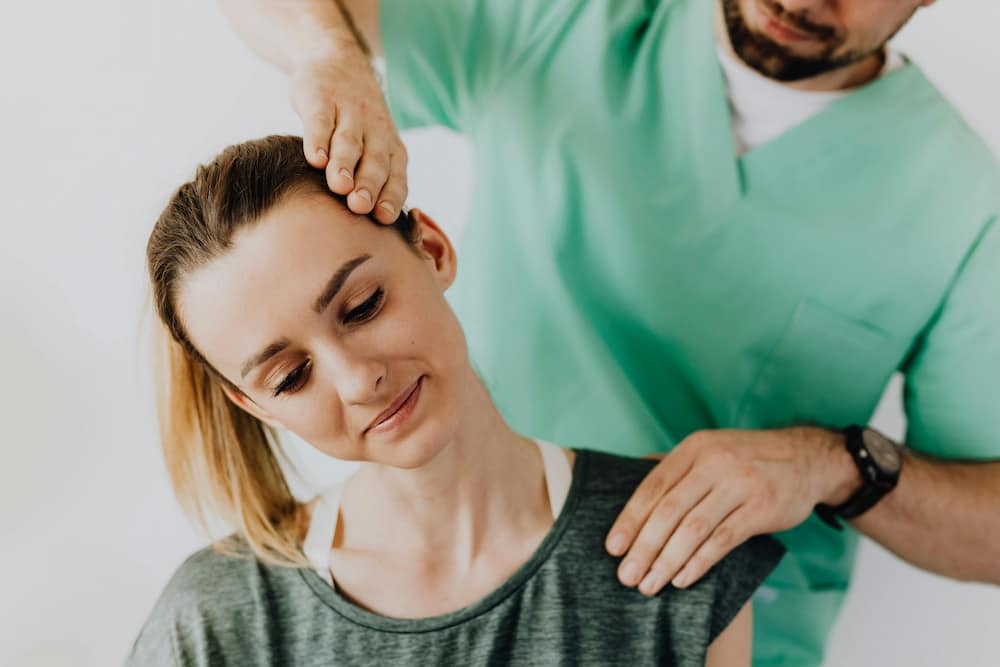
642,552
321,119
362,183
393,194
626,526
665,562
722,457
696,524
697,565
348,140
724,537
376,163
768,492
718,459
400,191
764,498
696,439
666,507
657,482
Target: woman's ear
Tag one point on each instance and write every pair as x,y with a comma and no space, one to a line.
245,403
434,244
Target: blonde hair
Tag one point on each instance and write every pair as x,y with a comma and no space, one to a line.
222,461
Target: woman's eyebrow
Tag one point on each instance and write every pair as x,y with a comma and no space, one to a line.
337,281
333,286
262,356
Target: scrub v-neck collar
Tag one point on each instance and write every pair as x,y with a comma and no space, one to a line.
854,121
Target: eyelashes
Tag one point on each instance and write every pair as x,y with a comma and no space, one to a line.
366,310
358,315
293,381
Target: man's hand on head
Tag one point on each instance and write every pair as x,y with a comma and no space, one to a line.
716,490
348,131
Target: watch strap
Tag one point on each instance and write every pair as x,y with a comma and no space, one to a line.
872,488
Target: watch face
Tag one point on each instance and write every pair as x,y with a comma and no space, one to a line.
884,451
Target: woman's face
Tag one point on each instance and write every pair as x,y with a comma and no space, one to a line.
336,329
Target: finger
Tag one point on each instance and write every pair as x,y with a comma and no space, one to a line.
371,175
694,530
660,525
345,151
649,492
729,534
393,195
317,128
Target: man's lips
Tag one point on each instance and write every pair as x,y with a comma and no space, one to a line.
787,31
394,407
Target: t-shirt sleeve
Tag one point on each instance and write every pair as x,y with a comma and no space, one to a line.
735,578
444,58
952,379
210,605
155,646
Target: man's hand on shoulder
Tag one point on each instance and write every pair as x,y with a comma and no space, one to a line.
716,490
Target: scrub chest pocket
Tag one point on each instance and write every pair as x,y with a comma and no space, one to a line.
826,368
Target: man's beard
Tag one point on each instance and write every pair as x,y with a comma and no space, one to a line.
774,60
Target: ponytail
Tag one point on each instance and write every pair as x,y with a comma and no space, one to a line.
223,462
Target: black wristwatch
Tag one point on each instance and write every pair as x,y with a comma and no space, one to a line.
879,461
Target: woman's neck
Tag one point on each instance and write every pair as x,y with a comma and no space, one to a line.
484,488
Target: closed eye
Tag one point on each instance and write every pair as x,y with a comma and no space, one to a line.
294,380
366,310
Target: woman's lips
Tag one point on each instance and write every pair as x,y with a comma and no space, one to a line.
398,411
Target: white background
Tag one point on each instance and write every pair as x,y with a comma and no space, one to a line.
105,107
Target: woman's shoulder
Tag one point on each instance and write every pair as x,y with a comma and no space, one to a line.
220,569
205,577
212,593
608,481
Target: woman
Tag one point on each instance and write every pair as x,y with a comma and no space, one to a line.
457,541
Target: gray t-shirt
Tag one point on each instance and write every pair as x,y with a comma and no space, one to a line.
564,606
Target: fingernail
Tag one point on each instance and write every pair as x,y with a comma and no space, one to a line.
648,585
630,573
321,153
346,174
617,544
364,195
681,580
389,208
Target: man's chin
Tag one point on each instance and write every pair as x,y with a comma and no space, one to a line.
772,59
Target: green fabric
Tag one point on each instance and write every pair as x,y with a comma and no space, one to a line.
562,607
625,279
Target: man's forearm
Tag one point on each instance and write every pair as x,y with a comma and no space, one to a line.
289,32
943,517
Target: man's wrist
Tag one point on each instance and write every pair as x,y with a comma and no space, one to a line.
329,45
340,40
841,474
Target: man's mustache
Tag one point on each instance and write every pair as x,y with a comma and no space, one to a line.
800,21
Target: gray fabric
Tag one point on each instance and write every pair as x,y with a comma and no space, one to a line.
563,607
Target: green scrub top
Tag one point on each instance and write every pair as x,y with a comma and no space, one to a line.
626,279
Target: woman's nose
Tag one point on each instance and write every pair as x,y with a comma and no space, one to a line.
359,378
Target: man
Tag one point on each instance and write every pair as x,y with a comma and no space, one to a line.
694,218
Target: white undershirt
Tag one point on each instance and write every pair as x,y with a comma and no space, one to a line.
763,108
